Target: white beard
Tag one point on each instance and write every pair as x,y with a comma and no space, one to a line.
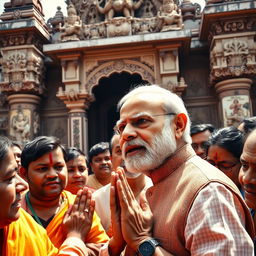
130,175
163,145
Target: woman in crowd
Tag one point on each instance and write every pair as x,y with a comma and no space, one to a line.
226,146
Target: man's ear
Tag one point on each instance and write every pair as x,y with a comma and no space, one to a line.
180,124
23,172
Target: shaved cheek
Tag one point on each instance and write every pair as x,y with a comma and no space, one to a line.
50,159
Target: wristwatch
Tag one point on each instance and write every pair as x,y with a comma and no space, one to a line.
148,247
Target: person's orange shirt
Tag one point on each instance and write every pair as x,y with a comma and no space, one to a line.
25,237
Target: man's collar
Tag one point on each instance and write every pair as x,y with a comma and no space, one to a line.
172,163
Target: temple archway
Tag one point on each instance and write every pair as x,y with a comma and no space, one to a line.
102,114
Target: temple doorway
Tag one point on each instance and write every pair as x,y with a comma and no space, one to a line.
102,114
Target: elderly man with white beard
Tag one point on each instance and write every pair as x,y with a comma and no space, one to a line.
192,208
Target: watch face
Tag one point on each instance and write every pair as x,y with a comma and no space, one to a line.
146,249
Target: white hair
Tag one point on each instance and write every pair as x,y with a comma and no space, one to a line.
172,103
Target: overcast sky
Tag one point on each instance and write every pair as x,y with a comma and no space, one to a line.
50,6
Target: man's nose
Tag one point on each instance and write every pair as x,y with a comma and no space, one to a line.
21,184
77,173
250,176
52,172
129,132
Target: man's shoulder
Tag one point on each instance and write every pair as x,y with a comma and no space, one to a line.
200,170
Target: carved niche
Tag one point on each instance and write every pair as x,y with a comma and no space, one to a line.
233,57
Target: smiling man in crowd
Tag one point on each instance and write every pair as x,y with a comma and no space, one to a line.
101,165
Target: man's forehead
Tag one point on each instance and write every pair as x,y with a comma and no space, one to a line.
141,103
250,143
56,154
102,154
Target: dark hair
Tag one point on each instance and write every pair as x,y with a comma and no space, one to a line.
16,144
249,124
73,153
98,149
5,144
229,138
38,147
201,128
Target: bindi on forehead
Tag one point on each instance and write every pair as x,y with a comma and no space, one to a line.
215,157
50,158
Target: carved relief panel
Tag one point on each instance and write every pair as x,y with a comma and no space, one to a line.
20,124
23,70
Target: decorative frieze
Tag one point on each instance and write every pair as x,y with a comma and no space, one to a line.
120,19
233,56
232,26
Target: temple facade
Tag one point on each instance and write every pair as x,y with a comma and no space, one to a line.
64,76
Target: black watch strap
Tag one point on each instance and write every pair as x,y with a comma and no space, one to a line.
148,247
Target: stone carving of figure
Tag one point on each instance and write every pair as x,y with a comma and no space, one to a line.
20,126
170,15
72,25
123,7
238,112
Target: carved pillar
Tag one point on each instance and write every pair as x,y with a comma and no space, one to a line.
24,121
23,73
77,103
22,34
77,100
169,70
232,55
233,62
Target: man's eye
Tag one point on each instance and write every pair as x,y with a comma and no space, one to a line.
244,166
42,169
82,169
141,122
59,167
119,152
121,128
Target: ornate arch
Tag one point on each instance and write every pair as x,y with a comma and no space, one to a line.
118,66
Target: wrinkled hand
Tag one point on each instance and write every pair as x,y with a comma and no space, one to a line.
78,218
136,218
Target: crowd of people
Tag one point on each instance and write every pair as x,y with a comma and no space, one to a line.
161,186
